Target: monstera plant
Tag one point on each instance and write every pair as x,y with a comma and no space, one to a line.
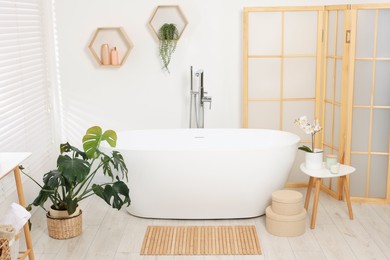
73,179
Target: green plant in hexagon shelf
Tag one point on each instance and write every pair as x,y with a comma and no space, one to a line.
72,180
168,35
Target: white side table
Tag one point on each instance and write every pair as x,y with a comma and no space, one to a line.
316,177
9,162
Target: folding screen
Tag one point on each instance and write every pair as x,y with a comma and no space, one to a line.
331,63
334,84
369,103
282,67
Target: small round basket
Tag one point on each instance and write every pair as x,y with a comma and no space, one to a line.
64,228
5,252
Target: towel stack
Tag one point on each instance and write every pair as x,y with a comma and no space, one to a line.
13,220
286,217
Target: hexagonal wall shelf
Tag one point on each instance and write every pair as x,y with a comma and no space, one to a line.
115,37
168,14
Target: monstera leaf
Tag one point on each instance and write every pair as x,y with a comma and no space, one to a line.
71,205
116,161
119,163
73,169
115,195
53,179
106,161
41,198
93,137
65,148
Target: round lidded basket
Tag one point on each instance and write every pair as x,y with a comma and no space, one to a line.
287,202
285,226
64,228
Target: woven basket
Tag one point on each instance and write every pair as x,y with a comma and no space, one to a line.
5,253
64,228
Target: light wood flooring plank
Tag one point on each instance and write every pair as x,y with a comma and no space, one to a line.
336,209
305,242
220,257
323,217
48,245
45,256
383,211
128,256
248,257
133,235
359,239
117,235
39,227
273,247
77,248
332,243
378,229
184,258
95,211
309,255
107,239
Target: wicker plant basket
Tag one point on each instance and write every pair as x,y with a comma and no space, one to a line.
64,228
5,252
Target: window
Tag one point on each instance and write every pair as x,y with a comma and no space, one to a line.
25,117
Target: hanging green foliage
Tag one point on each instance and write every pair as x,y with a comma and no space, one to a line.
168,36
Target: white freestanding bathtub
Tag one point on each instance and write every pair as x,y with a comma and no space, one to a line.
205,173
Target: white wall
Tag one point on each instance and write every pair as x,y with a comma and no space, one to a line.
140,94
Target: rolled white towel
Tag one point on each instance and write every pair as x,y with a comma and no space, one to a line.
16,216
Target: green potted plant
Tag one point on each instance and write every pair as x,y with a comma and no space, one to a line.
168,35
72,181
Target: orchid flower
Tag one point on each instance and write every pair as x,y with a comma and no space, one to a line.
310,129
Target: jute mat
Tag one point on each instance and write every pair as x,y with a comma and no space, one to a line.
201,240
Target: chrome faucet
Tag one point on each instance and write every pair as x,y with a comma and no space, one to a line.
198,100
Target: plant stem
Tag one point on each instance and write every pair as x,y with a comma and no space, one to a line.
51,197
312,143
63,192
90,177
32,179
81,197
89,195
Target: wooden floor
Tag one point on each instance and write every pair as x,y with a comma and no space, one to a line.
112,234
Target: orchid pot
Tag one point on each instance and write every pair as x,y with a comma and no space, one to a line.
313,156
313,161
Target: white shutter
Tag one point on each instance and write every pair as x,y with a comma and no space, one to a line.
25,120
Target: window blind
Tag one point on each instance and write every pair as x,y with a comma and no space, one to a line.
25,118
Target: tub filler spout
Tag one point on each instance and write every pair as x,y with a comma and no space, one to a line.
198,100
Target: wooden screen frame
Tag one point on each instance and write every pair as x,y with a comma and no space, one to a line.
346,99
351,106
344,91
317,56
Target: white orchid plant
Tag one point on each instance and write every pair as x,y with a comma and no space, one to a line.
310,129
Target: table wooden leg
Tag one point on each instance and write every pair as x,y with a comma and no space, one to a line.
347,197
340,184
308,192
315,204
22,202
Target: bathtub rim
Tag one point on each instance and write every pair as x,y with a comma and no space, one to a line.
293,139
